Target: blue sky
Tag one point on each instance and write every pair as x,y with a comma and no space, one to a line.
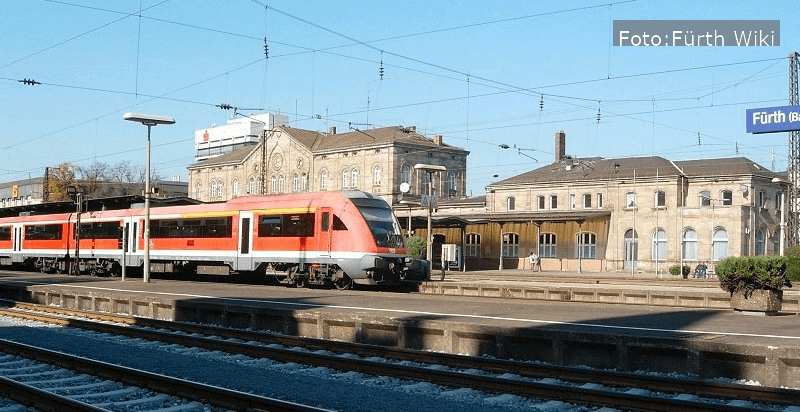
472,71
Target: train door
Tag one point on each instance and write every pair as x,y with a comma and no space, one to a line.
245,257
324,238
16,243
130,241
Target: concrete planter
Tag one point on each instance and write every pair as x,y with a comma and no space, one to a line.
766,301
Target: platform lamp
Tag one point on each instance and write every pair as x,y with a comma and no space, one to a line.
430,204
148,120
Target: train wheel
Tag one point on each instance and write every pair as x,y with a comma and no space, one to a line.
343,283
301,282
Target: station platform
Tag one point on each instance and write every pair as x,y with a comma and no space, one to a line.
638,288
565,326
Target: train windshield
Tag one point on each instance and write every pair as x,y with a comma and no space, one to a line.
381,221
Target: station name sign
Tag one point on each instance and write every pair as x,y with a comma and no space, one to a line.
773,119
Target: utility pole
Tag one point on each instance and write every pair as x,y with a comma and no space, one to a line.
794,159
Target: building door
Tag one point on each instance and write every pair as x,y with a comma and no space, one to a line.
630,249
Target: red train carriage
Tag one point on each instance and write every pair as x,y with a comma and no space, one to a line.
313,238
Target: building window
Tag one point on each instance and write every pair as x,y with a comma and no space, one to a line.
198,191
354,177
451,183
705,198
251,186
553,202
473,245
273,184
761,199
778,205
659,244
295,182
776,241
689,247
345,179
599,200
587,201
323,180
586,246
540,202
547,245
303,182
719,244
572,201
630,200
660,199
759,243
510,203
727,198
376,175
406,174
510,247
235,187
281,184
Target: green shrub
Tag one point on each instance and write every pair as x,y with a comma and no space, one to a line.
749,273
416,246
676,269
793,263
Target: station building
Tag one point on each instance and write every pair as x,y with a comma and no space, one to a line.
585,214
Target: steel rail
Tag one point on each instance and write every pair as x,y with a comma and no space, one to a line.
525,369
449,378
182,388
42,399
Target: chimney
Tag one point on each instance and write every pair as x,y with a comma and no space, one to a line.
561,142
437,139
332,130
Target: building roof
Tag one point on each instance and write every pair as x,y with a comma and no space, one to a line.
236,156
319,142
596,168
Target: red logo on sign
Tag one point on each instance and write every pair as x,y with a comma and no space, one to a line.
205,136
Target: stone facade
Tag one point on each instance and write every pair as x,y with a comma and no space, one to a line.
297,160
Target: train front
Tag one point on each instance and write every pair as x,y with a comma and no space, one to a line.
389,263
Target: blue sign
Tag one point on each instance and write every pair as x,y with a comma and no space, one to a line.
773,119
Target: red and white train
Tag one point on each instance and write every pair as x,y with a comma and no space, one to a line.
324,238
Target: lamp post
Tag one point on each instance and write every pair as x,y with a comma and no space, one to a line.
148,120
430,170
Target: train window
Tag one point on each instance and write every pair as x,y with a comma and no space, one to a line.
325,221
289,225
5,233
43,232
338,224
101,230
202,228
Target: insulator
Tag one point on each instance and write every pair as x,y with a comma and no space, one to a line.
380,70
598,115
29,82
266,49
541,102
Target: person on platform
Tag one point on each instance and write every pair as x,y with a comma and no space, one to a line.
533,259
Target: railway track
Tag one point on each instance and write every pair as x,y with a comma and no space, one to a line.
29,376
621,390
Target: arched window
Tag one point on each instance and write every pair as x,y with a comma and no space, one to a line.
260,186
406,174
547,245
473,245
511,203
323,180
304,182
759,242
586,246
295,182
273,184
354,177
376,175
198,191
281,184
451,183
235,187
719,244
251,186
345,179
689,247
659,244
510,247
630,249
